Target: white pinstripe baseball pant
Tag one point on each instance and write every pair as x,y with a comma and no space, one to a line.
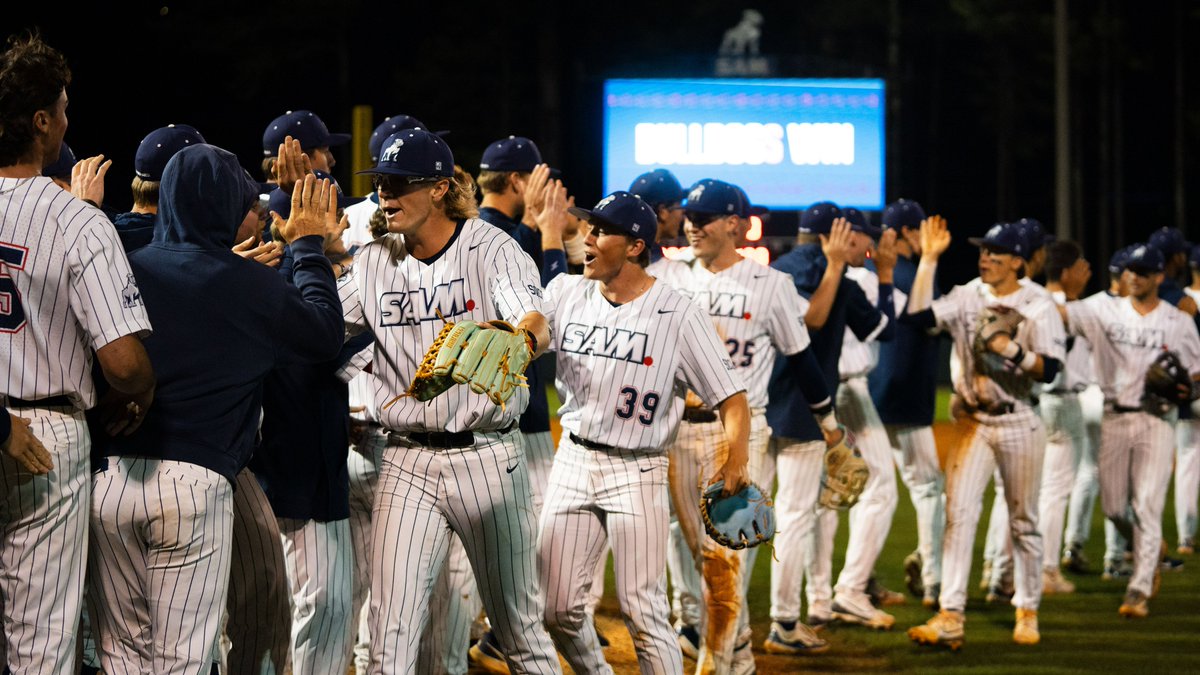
1087,482
798,465
721,575
619,495
159,563
1065,439
259,606
481,494
871,518
363,463
1014,443
1187,478
43,545
319,567
1136,454
917,458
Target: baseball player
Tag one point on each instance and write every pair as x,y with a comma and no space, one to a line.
628,349
307,128
359,215
64,278
994,382
1127,336
826,244
453,465
870,518
1087,474
1187,450
903,389
1067,274
754,310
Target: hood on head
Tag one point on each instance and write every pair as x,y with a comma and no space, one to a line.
203,198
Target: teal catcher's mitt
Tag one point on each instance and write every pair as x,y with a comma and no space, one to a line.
741,520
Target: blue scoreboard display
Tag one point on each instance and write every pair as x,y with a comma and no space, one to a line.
788,143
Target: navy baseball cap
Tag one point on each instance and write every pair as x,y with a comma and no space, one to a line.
159,146
818,218
626,211
415,153
302,125
281,202
658,187
1168,240
859,222
1004,238
61,168
1035,234
389,126
903,213
515,153
1144,258
1117,262
717,197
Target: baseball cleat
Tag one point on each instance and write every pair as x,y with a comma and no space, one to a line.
1026,630
1115,570
800,639
945,628
912,574
818,615
599,635
859,610
985,576
1186,547
1135,606
882,596
997,595
689,641
1075,561
487,655
743,658
1053,582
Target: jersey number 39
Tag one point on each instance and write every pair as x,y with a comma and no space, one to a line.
12,313
631,401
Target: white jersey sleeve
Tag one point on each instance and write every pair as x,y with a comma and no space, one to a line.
516,287
705,366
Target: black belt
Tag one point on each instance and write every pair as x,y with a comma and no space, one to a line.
699,415
590,444
59,401
1113,407
444,439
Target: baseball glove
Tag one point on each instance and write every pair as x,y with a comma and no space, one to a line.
846,474
1167,384
994,321
491,359
741,520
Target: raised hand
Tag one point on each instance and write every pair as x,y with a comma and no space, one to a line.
87,179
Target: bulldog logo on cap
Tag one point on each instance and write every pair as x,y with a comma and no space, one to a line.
389,155
694,195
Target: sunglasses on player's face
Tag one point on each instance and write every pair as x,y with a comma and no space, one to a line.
701,219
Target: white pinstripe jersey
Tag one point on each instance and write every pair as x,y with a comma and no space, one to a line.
66,289
757,313
481,275
1041,331
623,371
858,358
1125,343
1077,370
668,270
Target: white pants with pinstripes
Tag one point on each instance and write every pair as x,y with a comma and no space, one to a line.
1187,478
1136,453
916,456
481,494
619,496
1015,444
320,565
159,565
1087,482
259,613
43,546
363,463
698,451
1065,440
871,518
799,466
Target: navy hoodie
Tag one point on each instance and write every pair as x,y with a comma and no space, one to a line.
221,323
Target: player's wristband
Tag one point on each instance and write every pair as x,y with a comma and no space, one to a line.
1027,361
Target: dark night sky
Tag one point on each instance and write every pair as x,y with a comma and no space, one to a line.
971,81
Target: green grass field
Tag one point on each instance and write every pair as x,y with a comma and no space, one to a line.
1081,632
